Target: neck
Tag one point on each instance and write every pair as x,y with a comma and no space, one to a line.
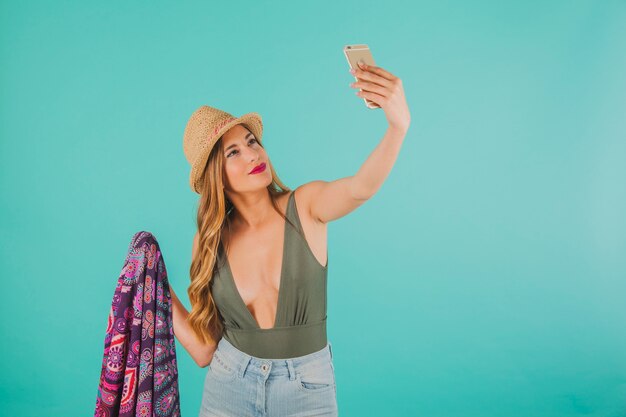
252,211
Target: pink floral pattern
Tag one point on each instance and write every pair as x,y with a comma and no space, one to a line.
139,374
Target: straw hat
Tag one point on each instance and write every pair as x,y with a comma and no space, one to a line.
205,126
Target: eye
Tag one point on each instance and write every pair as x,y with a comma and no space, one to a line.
251,140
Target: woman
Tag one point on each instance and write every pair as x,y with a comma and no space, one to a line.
259,261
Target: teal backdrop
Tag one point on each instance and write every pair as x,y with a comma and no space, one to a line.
487,276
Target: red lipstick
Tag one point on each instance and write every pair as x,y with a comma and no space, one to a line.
258,168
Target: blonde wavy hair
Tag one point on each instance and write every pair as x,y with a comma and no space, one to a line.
214,213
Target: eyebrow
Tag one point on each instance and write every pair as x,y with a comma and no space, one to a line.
234,144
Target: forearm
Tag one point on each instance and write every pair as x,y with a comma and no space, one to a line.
200,352
376,168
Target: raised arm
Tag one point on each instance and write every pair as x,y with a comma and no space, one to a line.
328,201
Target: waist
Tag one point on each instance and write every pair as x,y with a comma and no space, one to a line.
279,342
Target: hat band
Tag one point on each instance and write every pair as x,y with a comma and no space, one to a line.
222,124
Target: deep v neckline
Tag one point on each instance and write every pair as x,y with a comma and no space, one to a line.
281,283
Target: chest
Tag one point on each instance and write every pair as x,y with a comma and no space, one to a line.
256,263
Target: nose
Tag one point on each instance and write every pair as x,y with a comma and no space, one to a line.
253,156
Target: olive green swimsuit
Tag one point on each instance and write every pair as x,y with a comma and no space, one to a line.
300,325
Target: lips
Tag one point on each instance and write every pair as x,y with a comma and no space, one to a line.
258,168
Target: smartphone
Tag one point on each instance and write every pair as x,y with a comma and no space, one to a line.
356,53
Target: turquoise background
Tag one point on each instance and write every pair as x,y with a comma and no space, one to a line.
485,278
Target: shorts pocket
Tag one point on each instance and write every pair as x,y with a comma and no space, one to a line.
220,368
316,377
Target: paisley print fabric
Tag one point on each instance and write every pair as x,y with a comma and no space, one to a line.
139,371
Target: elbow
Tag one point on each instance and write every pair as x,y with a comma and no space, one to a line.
204,360
202,364
362,195
360,190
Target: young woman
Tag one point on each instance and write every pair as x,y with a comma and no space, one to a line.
260,262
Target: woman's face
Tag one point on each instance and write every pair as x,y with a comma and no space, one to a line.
242,152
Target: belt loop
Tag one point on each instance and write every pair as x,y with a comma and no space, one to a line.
290,367
244,365
330,348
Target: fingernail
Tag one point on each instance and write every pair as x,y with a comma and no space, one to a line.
352,70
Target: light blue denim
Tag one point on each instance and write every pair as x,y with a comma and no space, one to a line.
240,385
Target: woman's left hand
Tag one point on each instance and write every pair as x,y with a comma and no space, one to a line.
386,90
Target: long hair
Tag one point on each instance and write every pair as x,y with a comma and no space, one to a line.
214,213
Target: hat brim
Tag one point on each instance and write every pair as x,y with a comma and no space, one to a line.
252,121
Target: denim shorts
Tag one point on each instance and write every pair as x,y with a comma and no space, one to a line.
237,384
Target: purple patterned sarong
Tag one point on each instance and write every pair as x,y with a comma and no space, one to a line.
139,370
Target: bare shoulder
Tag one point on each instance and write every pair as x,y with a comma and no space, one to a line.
315,231
304,195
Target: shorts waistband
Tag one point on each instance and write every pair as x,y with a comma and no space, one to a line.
242,362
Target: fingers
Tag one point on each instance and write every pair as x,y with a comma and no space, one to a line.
376,98
383,91
377,71
366,75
